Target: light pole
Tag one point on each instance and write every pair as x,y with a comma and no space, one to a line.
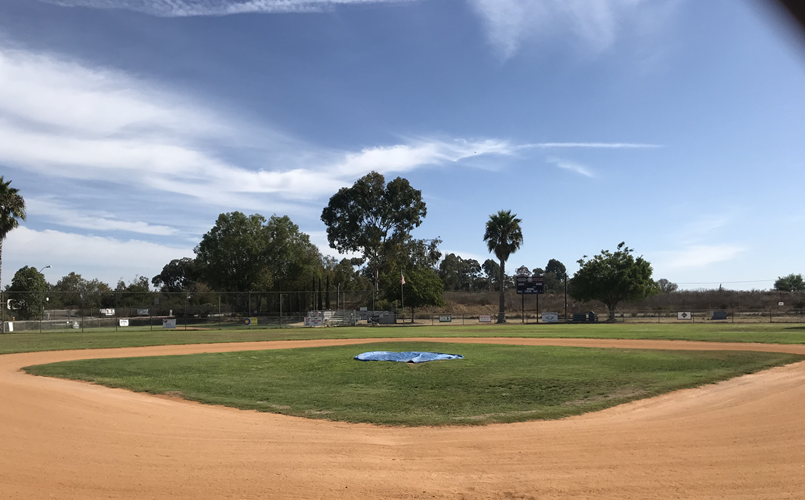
47,299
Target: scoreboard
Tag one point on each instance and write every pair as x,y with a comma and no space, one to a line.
530,285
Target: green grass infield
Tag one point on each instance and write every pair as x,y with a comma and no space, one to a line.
495,383
776,333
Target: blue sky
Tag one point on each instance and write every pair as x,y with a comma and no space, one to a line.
674,125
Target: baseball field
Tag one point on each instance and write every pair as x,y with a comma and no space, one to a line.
661,412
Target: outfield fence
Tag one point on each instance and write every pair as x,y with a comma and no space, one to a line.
69,311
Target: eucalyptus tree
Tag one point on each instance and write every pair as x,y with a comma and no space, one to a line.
373,218
12,210
503,237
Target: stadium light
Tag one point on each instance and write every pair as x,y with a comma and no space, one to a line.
46,267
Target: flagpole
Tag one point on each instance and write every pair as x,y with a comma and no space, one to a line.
402,294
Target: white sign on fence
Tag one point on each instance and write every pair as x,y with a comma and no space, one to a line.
445,318
314,321
107,312
169,323
781,304
485,318
123,322
684,316
142,312
550,317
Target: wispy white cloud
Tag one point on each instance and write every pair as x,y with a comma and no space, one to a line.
508,23
596,23
572,166
590,145
93,256
699,256
94,220
63,119
186,8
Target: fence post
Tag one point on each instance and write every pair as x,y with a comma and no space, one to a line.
219,311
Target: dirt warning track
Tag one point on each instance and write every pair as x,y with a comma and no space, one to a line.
739,439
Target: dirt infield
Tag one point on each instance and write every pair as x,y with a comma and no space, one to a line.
739,439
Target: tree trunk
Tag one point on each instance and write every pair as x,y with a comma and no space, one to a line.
502,302
611,312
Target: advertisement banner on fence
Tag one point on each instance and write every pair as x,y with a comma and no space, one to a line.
550,317
485,318
313,321
123,322
107,312
445,318
169,323
142,312
684,316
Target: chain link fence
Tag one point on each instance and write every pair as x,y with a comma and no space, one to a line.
70,311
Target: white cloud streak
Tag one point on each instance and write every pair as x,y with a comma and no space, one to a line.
186,8
62,119
572,166
596,23
590,145
94,220
508,23
700,256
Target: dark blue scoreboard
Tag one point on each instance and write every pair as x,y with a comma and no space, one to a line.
530,285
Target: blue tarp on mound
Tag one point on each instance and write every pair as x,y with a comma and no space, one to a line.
405,357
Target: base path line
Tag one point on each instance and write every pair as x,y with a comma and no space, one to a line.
742,438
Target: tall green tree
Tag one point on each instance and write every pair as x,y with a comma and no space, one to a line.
503,237
666,286
790,283
612,278
371,215
422,287
137,293
492,271
12,210
74,291
176,275
290,257
231,255
557,268
28,293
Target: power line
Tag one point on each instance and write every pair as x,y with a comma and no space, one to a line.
726,282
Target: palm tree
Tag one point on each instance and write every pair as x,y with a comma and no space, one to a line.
503,236
12,208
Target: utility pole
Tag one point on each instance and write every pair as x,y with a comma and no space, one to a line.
565,297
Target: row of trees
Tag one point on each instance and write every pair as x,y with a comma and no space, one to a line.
250,253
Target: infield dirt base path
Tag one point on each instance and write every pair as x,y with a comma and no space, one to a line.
739,439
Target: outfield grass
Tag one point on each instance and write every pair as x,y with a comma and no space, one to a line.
779,333
493,384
